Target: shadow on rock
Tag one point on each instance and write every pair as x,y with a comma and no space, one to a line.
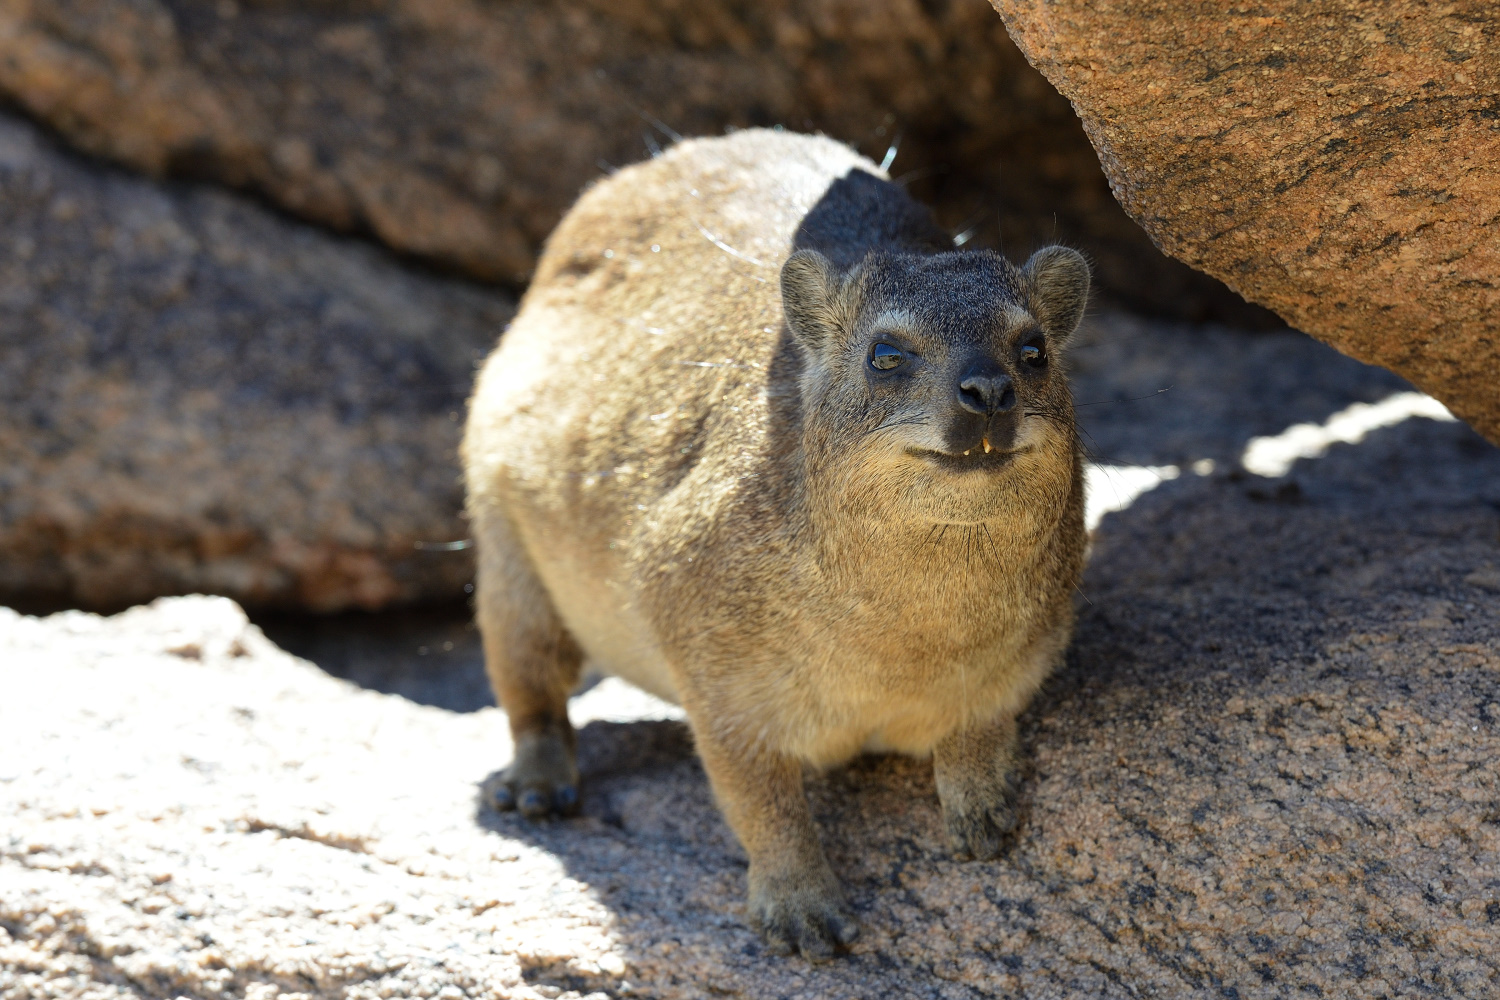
428,655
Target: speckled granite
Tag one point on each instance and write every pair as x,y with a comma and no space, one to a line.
1269,769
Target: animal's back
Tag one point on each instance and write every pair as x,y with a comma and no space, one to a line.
641,377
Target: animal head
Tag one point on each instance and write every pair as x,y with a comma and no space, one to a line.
934,381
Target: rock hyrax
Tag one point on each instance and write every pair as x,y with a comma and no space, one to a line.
761,442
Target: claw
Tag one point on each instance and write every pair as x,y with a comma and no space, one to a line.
542,779
981,835
813,942
533,802
846,930
778,943
503,798
816,927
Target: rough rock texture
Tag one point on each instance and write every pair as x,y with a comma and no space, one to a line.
460,130
1267,771
1334,161
199,395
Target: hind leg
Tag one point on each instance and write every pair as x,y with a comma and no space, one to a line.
533,665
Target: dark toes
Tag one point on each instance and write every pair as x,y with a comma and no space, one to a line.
813,939
844,929
1004,817
533,802
778,941
979,836
816,932
503,798
985,848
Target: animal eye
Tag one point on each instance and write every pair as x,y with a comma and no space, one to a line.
1034,352
884,357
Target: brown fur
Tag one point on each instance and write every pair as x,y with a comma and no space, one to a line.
683,468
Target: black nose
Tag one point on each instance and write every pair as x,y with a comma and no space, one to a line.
986,394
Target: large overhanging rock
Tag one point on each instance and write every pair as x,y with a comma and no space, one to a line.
461,131
200,395
1336,162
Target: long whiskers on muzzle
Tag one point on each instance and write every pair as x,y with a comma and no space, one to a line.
897,422
1070,425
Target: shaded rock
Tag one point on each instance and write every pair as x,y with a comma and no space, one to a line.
1267,770
199,395
1333,162
426,654
460,131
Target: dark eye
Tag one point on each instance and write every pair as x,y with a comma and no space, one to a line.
885,357
1034,352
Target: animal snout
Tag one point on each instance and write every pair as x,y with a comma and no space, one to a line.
986,394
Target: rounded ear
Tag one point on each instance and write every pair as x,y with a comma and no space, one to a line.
1058,280
809,294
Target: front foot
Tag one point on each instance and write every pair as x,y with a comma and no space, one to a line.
976,779
541,781
801,912
980,820
795,902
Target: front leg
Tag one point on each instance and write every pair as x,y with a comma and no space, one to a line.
976,777
795,901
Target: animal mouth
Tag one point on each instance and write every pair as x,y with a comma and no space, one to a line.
983,457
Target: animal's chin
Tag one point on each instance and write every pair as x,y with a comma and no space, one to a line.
975,460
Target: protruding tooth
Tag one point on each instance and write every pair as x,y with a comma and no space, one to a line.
966,453
986,446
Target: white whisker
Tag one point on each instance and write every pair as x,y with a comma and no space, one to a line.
727,248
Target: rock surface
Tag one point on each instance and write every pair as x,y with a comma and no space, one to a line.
200,395
1334,162
460,130
1268,769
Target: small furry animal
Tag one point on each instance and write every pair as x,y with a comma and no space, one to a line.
761,442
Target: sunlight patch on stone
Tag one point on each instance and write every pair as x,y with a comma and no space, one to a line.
615,700
1110,488
1274,456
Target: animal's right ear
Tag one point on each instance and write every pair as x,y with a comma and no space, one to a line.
1058,278
810,298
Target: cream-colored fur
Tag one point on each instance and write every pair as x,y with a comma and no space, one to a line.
717,498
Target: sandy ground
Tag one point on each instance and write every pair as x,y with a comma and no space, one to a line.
1269,768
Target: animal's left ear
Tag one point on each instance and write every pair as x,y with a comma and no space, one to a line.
1057,280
